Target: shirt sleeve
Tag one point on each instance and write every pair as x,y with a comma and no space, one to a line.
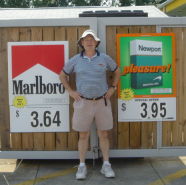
69,66
111,64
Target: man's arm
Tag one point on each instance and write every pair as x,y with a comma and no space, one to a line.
64,80
116,79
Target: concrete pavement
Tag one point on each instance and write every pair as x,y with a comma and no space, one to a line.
129,171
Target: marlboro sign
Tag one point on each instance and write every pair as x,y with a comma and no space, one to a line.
38,101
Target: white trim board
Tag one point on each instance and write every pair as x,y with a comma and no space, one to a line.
89,20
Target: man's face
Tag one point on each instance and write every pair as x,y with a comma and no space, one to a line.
89,43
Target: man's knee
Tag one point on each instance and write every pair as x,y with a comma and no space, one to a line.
84,135
103,134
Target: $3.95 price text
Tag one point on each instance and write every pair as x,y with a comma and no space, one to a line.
152,110
155,109
46,119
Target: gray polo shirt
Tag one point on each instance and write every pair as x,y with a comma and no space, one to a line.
91,81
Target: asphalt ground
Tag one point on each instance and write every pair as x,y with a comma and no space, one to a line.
129,171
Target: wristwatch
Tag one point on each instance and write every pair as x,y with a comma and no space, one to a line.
114,87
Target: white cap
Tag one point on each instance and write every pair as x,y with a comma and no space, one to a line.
88,32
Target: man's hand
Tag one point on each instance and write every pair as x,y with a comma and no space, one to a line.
75,95
64,80
109,93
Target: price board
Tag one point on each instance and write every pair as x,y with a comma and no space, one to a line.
147,88
149,109
38,100
52,118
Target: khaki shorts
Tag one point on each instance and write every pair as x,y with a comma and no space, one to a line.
86,111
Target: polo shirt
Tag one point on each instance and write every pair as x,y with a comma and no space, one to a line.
91,78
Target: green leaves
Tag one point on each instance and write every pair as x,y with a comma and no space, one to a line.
14,3
64,3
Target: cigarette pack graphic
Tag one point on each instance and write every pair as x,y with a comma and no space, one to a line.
145,56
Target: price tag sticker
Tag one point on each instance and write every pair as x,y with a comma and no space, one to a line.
148,109
40,119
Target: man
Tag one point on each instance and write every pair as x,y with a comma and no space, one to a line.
91,98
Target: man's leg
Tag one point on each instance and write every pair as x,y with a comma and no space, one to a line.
83,145
104,123
104,145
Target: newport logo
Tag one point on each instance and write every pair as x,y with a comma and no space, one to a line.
151,49
145,47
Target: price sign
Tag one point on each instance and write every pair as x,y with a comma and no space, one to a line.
147,87
149,109
38,100
40,119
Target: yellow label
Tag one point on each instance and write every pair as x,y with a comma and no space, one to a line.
127,94
19,101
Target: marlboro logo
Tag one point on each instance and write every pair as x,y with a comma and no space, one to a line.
19,87
25,57
34,69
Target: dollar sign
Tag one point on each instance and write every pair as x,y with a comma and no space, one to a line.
123,106
17,113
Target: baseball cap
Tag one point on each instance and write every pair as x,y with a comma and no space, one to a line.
88,32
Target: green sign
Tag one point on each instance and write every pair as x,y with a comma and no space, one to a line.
147,64
147,88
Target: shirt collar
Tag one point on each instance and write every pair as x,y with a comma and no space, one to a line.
97,54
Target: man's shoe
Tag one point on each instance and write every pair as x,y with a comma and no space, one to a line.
107,171
81,173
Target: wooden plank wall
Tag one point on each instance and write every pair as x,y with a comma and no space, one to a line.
124,135
129,135
4,113
33,141
174,133
143,135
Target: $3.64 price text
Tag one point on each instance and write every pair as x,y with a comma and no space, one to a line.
40,119
46,119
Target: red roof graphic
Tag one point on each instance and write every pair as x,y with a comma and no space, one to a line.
26,56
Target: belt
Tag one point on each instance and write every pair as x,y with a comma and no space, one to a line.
98,98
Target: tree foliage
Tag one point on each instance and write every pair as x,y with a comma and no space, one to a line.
2,3
126,2
15,3
145,2
94,2
64,3
79,2
43,3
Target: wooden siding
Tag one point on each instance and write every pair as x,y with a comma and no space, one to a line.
129,135
34,141
141,135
